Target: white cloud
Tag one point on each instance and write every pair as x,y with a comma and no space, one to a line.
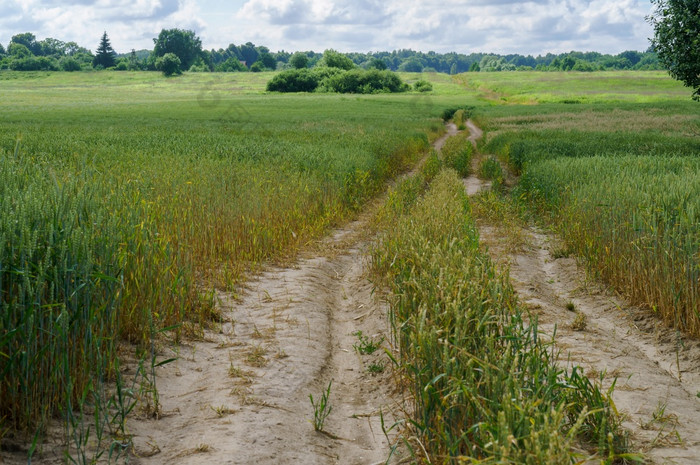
500,26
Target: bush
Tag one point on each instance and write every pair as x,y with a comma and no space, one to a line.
365,82
69,64
122,66
355,81
258,67
230,65
423,86
33,63
294,80
169,64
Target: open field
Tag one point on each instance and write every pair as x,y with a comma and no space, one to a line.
140,206
127,198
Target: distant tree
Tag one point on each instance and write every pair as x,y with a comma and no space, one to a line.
412,65
105,55
28,40
231,65
18,50
677,39
632,56
453,68
267,60
249,53
69,64
169,64
2,50
133,61
377,63
334,59
258,67
475,68
182,43
299,60
52,47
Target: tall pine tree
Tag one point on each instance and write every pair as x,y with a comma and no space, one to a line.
105,53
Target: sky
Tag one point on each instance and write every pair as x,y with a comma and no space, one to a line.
463,26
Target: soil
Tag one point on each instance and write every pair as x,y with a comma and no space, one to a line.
656,370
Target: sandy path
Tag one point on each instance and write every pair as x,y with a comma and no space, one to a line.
241,394
657,370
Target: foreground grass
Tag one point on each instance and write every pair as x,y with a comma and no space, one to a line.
126,198
485,387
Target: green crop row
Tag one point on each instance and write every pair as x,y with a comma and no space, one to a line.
637,221
622,183
117,220
485,387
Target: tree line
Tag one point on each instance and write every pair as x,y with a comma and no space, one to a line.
177,50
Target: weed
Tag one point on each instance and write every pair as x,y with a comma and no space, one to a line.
376,367
256,356
366,345
580,322
322,407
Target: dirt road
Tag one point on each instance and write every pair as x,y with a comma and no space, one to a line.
657,370
241,394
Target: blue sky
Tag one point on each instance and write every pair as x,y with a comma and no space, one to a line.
465,26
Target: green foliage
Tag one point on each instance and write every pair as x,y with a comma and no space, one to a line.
333,59
449,113
677,39
490,168
356,81
182,43
322,408
294,80
377,63
104,56
231,65
457,154
258,67
116,213
28,40
18,50
32,63
366,345
359,81
169,64
422,86
299,60
484,386
635,218
69,64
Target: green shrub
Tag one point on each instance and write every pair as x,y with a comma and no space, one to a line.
294,80
355,81
169,64
69,64
359,81
423,86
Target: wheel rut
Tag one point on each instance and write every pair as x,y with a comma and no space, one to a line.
656,369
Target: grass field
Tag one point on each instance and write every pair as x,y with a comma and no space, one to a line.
125,198
621,181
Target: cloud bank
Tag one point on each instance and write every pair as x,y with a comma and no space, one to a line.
498,26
